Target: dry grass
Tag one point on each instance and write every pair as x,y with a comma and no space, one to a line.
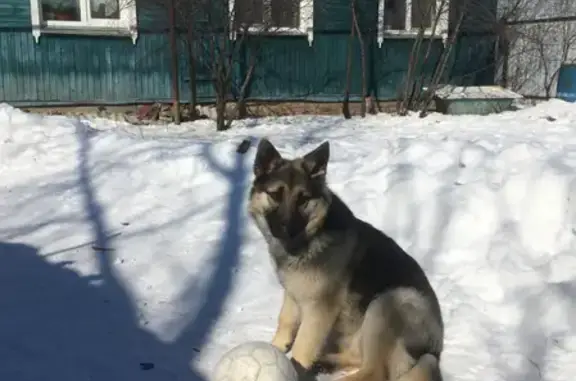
255,109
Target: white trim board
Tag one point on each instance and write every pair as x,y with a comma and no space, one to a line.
125,25
305,27
442,6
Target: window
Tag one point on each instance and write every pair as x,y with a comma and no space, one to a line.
273,16
95,17
407,17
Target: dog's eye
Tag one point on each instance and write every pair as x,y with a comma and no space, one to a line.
276,194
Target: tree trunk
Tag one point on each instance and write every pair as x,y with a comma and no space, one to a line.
224,62
241,107
192,75
362,59
174,59
408,91
440,68
346,100
221,124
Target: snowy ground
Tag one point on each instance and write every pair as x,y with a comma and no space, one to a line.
126,254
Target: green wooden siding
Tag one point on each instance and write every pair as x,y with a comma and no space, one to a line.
65,69
14,13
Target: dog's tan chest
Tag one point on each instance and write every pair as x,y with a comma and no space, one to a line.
304,285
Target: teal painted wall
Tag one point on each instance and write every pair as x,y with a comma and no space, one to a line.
14,13
107,70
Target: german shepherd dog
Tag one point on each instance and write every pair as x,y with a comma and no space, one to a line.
346,284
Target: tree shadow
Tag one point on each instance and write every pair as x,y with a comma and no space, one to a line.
59,325
226,257
62,324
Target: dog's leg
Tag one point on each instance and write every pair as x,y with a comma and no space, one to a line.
372,364
425,369
340,361
317,323
288,322
382,351
396,325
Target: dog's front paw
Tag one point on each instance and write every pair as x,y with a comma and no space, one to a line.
304,374
283,345
283,339
323,365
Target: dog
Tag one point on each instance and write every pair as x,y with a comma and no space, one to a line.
346,284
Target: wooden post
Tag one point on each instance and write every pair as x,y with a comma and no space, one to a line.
174,67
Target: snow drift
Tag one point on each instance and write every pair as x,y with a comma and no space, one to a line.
126,252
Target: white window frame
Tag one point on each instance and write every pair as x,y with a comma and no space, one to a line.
305,27
125,26
441,28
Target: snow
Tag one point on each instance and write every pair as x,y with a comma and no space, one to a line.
126,252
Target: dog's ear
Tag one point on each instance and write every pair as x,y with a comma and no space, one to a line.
267,157
316,161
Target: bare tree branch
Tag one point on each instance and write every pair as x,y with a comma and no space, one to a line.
356,26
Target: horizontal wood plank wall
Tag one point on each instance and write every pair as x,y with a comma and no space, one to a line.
66,69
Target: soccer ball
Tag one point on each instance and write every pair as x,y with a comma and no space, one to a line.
254,361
